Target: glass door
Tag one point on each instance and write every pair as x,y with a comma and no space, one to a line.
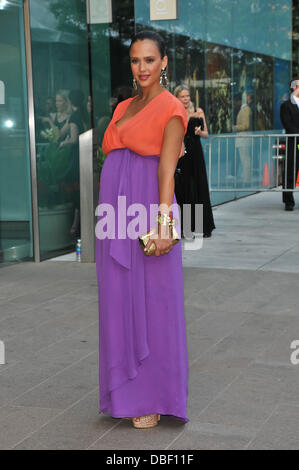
61,93
15,191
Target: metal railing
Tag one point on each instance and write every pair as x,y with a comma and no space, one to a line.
253,162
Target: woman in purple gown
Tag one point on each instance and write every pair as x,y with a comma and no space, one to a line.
143,361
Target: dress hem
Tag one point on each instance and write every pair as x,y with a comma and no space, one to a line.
171,415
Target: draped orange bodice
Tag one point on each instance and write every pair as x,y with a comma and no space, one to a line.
143,133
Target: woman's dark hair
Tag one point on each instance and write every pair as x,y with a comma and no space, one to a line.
153,36
76,97
122,93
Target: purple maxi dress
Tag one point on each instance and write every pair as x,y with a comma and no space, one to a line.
143,356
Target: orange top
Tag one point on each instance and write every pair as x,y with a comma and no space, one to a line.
143,133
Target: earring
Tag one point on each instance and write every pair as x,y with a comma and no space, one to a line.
163,78
135,84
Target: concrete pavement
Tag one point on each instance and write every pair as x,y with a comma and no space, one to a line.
241,307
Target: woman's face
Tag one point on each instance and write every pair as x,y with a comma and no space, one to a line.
60,103
146,62
184,97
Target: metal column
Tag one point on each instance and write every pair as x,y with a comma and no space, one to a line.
89,191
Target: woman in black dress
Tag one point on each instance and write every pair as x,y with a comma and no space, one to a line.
191,176
60,119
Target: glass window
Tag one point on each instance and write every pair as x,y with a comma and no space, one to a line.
188,62
243,84
295,37
264,93
218,87
282,89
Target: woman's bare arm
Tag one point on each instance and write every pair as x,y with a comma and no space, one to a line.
202,133
64,129
171,149
73,139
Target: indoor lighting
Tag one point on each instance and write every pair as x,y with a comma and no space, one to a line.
9,123
2,4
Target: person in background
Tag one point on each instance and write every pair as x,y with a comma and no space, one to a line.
49,106
192,183
242,127
289,116
122,93
60,118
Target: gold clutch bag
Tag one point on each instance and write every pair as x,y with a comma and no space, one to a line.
143,240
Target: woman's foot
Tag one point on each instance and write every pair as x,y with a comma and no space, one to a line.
207,234
146,421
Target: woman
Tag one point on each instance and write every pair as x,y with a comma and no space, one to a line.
143,349
61,117
192,182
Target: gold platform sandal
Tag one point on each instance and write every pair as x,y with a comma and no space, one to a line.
147,421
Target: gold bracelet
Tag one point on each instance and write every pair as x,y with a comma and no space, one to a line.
164,219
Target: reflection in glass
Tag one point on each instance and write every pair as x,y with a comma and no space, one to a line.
295,37
264,92
189,66
243,83
282,78
218,85
111,76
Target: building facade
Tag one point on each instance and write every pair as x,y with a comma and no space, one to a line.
53,50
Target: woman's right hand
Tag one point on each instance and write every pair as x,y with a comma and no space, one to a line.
163,242
199,112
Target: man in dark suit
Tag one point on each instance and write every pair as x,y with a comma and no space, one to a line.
289,116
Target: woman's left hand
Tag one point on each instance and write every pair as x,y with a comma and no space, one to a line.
197,131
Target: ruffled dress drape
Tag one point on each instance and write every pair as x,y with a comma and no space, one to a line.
143,360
